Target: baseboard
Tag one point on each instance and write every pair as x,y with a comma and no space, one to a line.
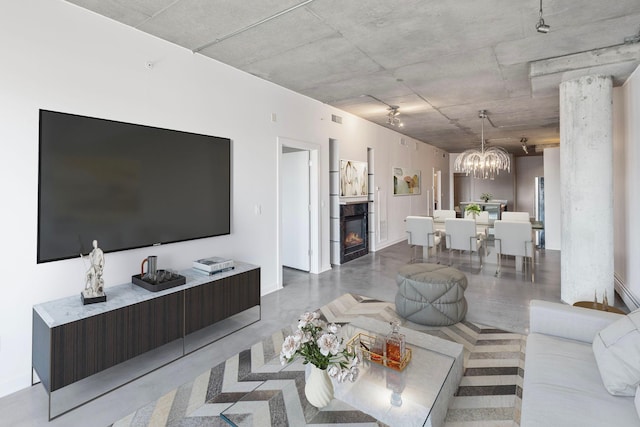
387,243
623,290
16,383
325,268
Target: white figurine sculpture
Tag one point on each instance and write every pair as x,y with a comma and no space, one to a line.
94,285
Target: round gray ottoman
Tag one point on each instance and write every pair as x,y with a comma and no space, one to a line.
431,294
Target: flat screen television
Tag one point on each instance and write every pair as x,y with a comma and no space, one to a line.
127,186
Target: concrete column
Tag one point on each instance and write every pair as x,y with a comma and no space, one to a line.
586,188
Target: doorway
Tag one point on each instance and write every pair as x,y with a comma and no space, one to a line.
461,188
298,207
295,211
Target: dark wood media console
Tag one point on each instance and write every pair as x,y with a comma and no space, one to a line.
213,301
81,352
88,346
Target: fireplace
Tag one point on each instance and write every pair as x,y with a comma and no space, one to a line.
353,231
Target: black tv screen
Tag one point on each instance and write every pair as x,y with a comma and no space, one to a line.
127,186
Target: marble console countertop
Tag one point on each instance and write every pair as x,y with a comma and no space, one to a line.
70,309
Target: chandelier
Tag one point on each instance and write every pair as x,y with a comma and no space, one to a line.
484,164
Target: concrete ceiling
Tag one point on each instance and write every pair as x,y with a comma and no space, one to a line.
439,61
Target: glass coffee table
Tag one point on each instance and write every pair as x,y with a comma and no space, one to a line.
417,396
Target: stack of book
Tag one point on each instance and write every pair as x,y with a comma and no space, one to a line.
213,265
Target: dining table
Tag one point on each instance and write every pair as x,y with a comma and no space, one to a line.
486,230
482,228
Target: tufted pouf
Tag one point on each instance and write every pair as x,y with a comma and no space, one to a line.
431,294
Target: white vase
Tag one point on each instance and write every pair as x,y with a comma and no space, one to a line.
319,388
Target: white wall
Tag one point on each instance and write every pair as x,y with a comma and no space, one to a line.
413,155
552,206
60,57
626,198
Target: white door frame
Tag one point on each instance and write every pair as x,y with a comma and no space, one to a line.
314,202
295,188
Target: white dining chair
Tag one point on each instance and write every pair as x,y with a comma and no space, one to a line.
514,238
515,216
480,218
461,235
421,233
442,214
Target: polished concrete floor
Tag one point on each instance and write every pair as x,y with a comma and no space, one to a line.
495,301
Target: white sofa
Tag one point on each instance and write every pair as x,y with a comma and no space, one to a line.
562,383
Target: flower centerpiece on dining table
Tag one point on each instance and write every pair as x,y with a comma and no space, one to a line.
319,344
473,209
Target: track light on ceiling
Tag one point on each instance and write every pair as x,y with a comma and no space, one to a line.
541,26
484,164
392,112
392,116
523,141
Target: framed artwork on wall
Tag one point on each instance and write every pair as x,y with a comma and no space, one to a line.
354,178
406,182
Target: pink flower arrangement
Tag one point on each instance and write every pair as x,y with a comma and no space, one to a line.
319,344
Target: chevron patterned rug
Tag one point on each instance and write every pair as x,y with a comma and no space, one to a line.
252,389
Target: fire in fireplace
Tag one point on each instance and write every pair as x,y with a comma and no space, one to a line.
353,239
